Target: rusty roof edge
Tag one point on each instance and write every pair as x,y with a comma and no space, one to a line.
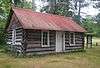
19,20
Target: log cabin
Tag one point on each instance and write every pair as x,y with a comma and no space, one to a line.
42,33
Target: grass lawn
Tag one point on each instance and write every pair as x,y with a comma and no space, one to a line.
88,59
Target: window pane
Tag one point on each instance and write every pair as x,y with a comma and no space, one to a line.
45,38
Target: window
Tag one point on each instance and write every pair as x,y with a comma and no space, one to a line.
72,38
13,36
45,38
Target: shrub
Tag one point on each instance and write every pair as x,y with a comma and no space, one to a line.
2,39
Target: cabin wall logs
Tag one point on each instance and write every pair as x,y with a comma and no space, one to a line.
79,41
33,40
18,35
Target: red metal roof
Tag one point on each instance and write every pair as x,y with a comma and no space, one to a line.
44,21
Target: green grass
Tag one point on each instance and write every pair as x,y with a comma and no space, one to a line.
88,59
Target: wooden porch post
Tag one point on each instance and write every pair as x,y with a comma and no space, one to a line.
89,41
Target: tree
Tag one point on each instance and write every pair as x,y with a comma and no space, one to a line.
97,18
59,7
22,3
78,5
96,4
91,27
4,8
4,12
88,24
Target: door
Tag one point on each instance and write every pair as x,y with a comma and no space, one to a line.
60,42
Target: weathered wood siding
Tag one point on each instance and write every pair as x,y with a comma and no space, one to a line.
33,41
9,37
14,24
79,41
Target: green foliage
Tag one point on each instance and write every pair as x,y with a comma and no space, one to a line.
77,18
4,8
2,39
4,12
88,24
61,7
27,4
23,4
91,26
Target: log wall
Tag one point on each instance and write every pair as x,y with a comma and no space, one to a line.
79,42
14,24
33,40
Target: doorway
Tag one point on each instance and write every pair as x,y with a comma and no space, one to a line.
60,41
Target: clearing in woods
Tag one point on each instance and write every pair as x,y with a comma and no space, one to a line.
88,59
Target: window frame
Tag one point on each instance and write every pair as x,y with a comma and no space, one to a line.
48,40
71,44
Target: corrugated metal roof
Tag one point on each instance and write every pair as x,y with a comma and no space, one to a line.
44,21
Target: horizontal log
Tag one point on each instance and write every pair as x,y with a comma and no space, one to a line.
73,46
53,41
34,34
40,49
51,46
38,46
43,52
18,43
18,34
9,34
9,37
35,38
18,31
66,40
79,43
67,43
34,42
19,28
8,42
79,40
73,50
70,48
18,37
33,45
31,31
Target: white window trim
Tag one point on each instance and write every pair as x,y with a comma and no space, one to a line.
70,39
47,38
